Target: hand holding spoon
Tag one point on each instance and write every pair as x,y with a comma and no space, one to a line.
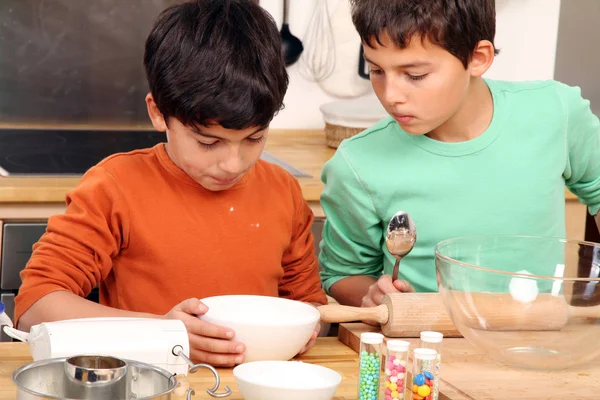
401,238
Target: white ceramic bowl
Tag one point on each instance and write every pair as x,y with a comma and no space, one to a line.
289,380
272,328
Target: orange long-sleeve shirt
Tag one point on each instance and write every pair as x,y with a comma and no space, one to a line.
151,237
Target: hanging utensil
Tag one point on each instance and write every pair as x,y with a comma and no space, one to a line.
363,67
317,62
343,82
292,46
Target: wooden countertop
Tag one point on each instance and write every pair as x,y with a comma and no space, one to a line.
304,149
328,352
469,374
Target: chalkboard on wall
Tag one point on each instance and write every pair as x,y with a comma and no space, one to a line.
77,61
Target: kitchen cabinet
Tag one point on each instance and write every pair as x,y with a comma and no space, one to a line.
17,242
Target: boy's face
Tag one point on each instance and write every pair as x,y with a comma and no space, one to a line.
421,86
215,157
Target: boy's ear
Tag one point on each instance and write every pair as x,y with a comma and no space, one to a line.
482,58
158,121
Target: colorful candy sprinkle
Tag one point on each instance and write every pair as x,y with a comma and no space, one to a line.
395,369
419,379
422,387
369,376
424,390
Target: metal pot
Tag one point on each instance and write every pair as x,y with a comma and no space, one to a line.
101,378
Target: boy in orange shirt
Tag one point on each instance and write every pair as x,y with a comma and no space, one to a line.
197,216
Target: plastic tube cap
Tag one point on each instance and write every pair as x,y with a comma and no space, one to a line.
398,345
425,354
371,338
432,337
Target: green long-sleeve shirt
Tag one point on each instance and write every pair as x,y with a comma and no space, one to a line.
509,180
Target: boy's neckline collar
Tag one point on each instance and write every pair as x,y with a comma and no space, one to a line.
174,170
470,146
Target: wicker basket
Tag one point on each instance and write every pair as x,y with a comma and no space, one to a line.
346,118
334,134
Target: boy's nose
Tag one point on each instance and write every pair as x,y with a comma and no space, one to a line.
232,165
394,94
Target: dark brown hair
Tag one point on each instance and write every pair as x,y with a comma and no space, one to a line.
455,25
216,61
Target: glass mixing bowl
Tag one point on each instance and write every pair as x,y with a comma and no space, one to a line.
530,302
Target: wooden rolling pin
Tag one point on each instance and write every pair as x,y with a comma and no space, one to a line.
400,315
407,314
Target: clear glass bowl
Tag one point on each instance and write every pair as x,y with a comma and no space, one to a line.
530,302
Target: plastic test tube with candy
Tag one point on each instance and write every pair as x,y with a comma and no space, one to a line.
424,361
396,360
371,345
433,340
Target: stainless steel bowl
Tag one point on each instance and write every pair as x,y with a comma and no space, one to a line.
95,370
53,379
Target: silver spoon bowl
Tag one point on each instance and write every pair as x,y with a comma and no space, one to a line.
400,239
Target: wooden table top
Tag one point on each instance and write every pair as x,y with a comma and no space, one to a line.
328,352
467,373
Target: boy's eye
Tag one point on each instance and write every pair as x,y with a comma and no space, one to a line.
417,77
256,140
375,71
207,145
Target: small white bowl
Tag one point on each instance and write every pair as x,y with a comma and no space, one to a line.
272,328
289,380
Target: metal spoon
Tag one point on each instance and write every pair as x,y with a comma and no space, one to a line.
401,238
291,45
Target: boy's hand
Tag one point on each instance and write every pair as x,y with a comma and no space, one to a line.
210,344
383,286
313,339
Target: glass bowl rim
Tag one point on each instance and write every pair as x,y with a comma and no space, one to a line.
446,242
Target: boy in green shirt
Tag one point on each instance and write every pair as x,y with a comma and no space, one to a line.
461,154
